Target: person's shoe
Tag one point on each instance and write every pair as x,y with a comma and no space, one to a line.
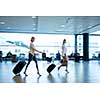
25,74
58,68
38,73
67,71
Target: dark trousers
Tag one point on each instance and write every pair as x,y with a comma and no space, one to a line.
32,57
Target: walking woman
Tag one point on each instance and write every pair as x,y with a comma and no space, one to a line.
32,56
64,61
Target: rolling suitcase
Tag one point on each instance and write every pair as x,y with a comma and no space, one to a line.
18,67
50,68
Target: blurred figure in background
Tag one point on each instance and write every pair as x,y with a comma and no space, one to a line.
58,56
1,56
43,55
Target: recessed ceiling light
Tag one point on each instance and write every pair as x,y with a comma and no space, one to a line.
62,25
89,27
58,30
34,29
8,27
34,24
33,16
2,23
80,26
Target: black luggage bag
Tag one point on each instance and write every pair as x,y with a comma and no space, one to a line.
49,59
18,67
50,68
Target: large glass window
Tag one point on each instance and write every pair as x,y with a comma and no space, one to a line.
94,46
80,44
18,43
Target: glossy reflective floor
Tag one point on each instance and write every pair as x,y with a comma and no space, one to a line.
82,72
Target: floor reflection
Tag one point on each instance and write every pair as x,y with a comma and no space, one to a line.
63,78
19,79
38,78
86,72
50,78
82,72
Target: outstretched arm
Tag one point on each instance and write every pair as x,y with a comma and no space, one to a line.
37,50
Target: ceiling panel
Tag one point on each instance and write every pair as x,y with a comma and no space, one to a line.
50,24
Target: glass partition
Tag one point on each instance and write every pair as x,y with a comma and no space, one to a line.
80,44
19,43
94,46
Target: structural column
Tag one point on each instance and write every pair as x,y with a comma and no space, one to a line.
85,46
75,43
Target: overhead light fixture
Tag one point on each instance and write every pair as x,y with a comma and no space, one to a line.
59,30
8,27
34,29
33,16
2,23
62,25
80,26
34,24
